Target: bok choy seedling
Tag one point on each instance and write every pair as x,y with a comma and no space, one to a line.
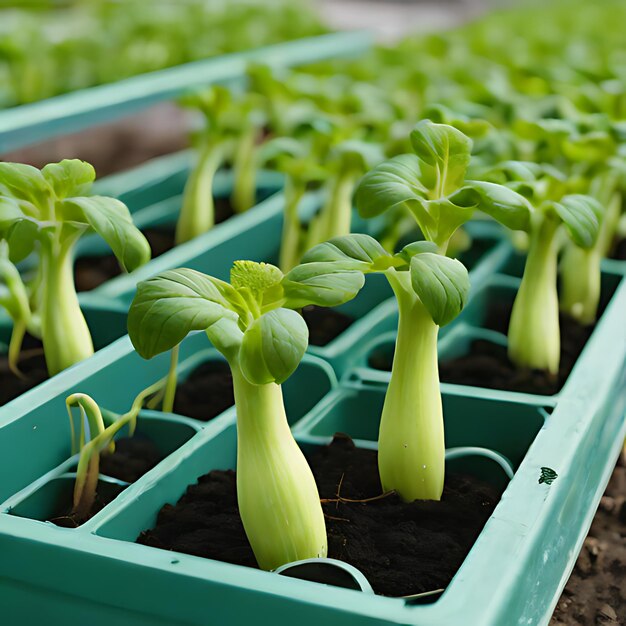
47,211
431,290
251,322
534,339
215,143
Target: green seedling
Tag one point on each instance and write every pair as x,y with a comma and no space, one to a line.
431,185
251,322
47,211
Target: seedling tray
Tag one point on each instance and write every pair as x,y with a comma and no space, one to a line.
513,574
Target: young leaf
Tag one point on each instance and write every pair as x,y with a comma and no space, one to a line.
323,284
111,219
444,148
273,346
503,204
581,216
25,182
170,305
70,177
392,183
442,285
332,272
355,251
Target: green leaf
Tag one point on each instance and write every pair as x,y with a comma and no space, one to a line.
503,204
19,230
355,252
111,219
323,284
257,277
70,177
358,156
273,346
417,247
581,216
21,237
170,305
26,182
442,284
444,148
392,183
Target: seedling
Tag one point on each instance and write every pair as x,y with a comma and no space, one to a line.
250,321
215,143
534,339
431,185
46,211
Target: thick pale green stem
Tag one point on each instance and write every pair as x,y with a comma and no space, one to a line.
64,331
197,214
290,243
244,189
278,498
411,447
338,209
534,332
580,283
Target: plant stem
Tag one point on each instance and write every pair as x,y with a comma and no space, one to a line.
197,214
244,189
338,209
534,332
580,283
65,334
278,498
170,383
411,448
290,243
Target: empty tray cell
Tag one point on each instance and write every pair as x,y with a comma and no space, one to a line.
505,427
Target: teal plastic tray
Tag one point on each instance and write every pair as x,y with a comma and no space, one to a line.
32,123
513,574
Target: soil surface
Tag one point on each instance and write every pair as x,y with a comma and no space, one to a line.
487,364
32,365
620,251
133,457
401,548
63,516
596,591
91,271
207,392
324,324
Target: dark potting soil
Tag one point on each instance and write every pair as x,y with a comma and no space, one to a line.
595,592
401,548
488,365
91,271
64,517
620,250
324,324
32,365
132,458
206,393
